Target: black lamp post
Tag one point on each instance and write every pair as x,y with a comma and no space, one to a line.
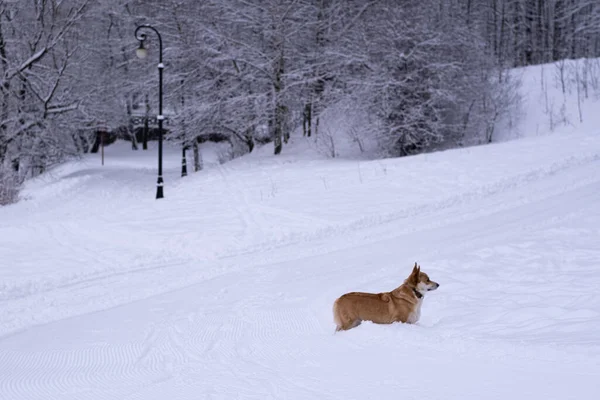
183,161
141,52
183,147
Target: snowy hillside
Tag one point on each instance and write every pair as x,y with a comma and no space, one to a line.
562,98
224,289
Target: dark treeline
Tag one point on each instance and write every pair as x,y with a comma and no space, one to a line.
424,73
526,32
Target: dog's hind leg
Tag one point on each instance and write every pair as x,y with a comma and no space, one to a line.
349,324
344,319
355,323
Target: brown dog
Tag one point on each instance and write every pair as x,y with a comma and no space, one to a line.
402,304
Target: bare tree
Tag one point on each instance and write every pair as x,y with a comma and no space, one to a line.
38,43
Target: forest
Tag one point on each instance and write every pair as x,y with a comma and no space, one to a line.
416,75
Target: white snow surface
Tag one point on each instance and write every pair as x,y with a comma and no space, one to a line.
224,288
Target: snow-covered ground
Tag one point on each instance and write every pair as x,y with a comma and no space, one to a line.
224,289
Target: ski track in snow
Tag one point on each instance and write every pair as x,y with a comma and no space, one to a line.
129,298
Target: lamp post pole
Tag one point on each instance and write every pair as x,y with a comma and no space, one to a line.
183,162
141,52
183,147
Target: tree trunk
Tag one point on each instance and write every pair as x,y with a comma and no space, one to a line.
130,130
307,120
249,136
197,156
145,131
279,131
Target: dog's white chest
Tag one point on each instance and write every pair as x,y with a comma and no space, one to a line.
414,316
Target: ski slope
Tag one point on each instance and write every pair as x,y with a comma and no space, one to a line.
224,288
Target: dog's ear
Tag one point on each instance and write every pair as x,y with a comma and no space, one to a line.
414,276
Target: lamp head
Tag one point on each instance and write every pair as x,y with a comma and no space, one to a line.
141,51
